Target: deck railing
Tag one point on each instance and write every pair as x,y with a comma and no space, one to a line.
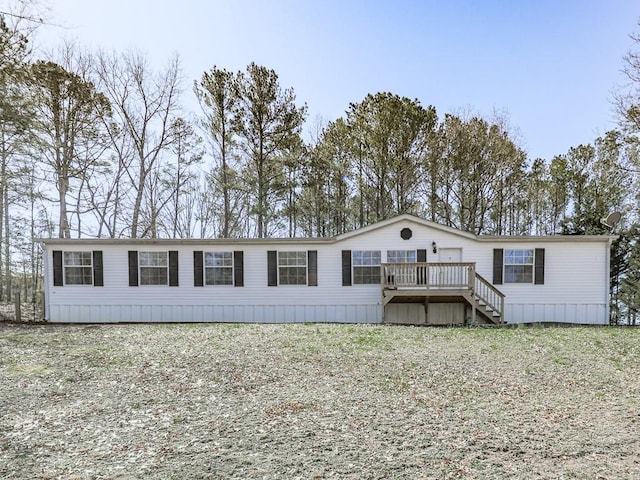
489,295
428,275
442,276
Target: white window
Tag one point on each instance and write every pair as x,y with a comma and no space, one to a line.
292,268
78,268
401,256
518,266
154,268
366,267
218,268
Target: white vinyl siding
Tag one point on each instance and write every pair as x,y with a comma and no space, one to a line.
154,268
366,267
77,268
218,268
292,268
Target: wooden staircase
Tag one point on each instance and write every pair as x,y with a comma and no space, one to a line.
443,282
489,301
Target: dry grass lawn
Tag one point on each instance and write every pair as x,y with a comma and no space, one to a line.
318,401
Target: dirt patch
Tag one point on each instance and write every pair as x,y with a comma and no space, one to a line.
318,401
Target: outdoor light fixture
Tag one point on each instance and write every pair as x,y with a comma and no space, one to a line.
435,247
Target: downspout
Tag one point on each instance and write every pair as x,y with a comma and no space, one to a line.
607,295
45,275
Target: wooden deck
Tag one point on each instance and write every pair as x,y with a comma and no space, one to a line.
442,282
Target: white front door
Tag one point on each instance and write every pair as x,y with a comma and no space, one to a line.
448,276
450,255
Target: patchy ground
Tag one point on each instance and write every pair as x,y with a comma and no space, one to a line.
30,313
318,401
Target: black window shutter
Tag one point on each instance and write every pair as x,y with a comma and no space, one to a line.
346,268
312,268
272,268
498,254
98,278
133,268
57,268
538,271
238,269
421,255
173,268
198,269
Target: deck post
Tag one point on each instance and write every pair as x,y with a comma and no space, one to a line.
383,302
426,309
427,273
472,285
473,311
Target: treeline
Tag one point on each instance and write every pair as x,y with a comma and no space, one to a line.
97,144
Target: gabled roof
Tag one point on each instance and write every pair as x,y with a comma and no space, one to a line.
410,218
479,238
354,233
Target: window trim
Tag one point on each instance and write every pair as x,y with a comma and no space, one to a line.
354,266
532,264
90,267
141,266
306,267
415,254
205,267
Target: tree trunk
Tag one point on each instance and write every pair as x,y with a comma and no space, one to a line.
135,216
63,225
177,198
261,191
7,250
3,189
225,184
34,271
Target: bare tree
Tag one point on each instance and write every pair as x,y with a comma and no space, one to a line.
29,13
180,176
626,100
145,104
15,121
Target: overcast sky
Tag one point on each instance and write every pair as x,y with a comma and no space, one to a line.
551,65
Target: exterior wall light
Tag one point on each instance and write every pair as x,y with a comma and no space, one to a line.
435,247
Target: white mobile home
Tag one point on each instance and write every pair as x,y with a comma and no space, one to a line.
401,270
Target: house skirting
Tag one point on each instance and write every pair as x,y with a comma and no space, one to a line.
439,314
579,313
215,313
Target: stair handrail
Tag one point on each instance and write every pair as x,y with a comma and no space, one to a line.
489,295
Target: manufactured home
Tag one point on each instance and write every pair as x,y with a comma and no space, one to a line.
403,270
